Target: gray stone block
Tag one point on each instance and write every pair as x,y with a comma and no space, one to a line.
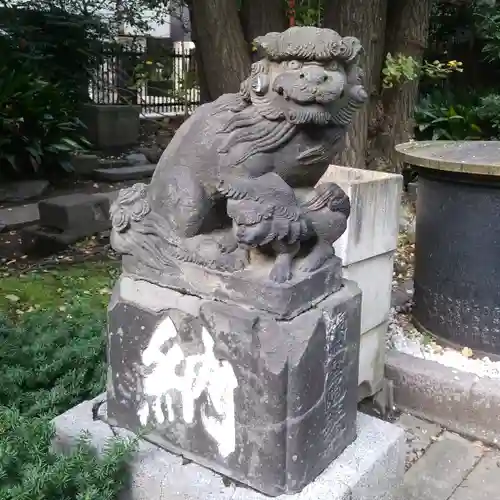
23,190
81,214
441,470
124,173
268,403
110,125
459,401
16,217
369,469
40,241
137,159
84,164
247,286
483,483
113,163
420,434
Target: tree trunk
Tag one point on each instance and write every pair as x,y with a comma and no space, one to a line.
259,17
407,31
200,72
364,19
224,56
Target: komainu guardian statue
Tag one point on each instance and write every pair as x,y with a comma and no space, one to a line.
230,179
232,337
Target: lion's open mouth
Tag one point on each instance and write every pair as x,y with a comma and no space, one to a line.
310,96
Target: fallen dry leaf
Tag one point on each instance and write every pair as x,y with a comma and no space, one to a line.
467,352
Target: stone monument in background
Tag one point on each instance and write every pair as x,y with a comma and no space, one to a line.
232,335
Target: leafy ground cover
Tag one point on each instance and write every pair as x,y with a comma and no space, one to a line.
52,354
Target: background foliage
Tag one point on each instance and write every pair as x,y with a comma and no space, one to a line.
465,105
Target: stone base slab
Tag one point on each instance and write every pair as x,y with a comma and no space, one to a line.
371,468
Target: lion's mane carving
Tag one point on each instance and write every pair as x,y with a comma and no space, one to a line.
283,126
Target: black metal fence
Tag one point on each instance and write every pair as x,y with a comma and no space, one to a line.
157,75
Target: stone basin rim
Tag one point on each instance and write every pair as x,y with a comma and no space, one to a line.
409,153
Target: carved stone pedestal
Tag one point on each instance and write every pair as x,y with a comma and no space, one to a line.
267,402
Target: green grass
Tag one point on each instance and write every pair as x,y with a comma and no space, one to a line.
52,354
55,289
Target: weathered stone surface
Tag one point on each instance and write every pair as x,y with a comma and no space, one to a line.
111,126
373,225
16,217
230,331
468,157
84,164
412,191
367,251
402,294
372,360
82,214
152,153
137,159
219,386
457,400
113,163
124,173
370,469
420,434
483,483
441,470
45,241
248,287
23,190
374,277
234,166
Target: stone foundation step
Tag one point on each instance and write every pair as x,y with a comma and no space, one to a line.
118,174
441,471
370,469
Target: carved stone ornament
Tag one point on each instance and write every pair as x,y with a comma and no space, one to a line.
232,337
233,190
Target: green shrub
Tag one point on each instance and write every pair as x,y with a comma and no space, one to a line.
439,116
37,131
38,127
52,358
489,111
31,470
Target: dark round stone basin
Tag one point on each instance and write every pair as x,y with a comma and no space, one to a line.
457,251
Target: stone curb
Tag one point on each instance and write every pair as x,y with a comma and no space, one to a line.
460,401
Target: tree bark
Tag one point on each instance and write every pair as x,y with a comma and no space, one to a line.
364,19
223,54
407,31
259,17
200,72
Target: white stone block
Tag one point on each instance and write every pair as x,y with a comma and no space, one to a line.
372,361
374,278
374,222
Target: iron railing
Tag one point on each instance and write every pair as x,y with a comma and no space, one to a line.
162,83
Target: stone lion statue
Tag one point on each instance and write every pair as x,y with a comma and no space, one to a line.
229,179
